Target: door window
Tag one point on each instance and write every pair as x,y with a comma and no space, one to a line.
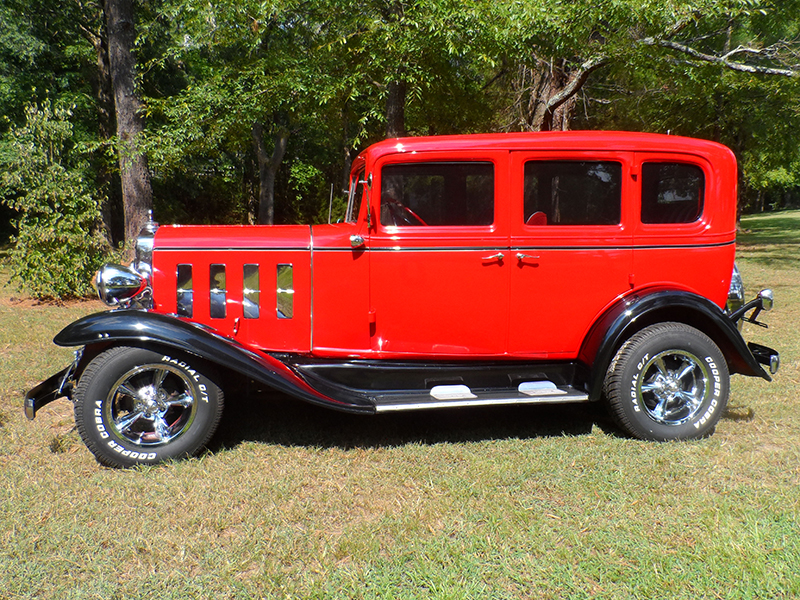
437,194
566,192
672,192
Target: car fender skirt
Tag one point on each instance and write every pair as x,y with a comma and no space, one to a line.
142,328
635,312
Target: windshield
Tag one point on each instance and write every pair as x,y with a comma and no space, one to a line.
356,195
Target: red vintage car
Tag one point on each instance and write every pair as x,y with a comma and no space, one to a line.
469,270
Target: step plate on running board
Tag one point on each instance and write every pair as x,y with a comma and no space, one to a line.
423,401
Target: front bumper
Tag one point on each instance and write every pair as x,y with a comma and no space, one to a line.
765,356
54,387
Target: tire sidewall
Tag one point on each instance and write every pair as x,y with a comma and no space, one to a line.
100,435
705,419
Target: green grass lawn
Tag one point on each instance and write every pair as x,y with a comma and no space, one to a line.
293,501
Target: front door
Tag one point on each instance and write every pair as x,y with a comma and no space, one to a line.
439,256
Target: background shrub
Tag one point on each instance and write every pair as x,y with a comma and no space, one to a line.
47,180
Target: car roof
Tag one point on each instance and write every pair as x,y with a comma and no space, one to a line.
549,140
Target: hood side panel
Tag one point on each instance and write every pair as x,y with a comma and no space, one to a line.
250,283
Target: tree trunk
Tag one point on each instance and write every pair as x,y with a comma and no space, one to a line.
111,209
268,166
396,110
137,195
547,93
92,27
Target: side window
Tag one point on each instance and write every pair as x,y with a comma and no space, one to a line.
566,192
672,192
355,198
437,194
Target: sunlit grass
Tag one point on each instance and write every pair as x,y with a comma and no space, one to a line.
298,502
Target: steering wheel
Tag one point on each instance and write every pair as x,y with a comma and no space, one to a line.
401,214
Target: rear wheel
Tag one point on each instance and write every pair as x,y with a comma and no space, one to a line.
668,382
136,406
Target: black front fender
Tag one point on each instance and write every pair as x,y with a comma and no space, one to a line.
142,328
640,310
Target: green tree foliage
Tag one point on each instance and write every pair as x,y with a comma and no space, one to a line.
729,72
46,179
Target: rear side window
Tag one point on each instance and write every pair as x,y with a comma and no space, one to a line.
420,194
565,192
672,192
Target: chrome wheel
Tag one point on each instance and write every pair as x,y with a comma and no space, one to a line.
673,387
151,404
668,381
137,406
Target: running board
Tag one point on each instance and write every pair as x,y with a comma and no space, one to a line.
454,398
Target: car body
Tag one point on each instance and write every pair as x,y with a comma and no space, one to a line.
469,270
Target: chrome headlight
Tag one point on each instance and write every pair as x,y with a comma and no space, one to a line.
117,284
735,295
767,300
144,248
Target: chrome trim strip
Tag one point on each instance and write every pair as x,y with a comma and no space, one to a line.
441,249
396,248
452,248
681,246
380,408
240,249
540,248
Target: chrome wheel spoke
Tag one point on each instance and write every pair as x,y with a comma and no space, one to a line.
161,429
651,386
688,367
660,408
158,377
691,399
128,391
662,368
183,400
125,423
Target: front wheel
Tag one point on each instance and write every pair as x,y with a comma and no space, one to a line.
668,382
136,406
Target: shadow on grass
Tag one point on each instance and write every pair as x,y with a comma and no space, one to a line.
771,239
772,254
277,419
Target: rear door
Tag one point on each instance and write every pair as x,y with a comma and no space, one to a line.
571,250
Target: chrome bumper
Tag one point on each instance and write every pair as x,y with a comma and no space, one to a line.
766,356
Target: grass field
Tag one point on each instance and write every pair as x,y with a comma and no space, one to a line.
298,502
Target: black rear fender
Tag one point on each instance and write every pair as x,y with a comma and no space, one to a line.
633,313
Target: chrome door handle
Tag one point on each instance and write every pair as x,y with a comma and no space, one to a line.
521,256
499,256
